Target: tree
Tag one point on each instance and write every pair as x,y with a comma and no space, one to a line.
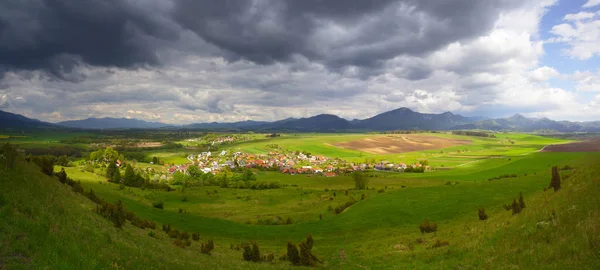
194,172
130,177
248,175
424,162
116,177
360,181
62,176
110,172
555,181
521,201
110,155
97,155
516,208
8,155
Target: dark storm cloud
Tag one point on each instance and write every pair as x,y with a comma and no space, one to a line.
58,35
337,33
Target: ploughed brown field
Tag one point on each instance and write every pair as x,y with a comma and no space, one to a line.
584,146
392,144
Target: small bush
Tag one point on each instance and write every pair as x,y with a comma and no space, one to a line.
381,190
179,243
207,247
196,236
251,252
440,243
166,228
292,254
174,233
158,204
428,226
184,236
342,207
152,234
482,214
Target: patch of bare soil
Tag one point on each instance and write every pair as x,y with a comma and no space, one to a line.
148,144
393,144
584,146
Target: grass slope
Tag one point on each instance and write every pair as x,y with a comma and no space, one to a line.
46,225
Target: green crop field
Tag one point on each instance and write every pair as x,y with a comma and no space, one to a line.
46,225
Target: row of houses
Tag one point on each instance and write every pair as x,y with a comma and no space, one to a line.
287,163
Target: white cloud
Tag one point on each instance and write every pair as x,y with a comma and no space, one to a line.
579,16
587,80
543,74
591,3
581,33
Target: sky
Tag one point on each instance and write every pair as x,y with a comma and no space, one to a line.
192,61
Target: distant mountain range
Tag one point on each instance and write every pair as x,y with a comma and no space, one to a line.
111,123
399,119
17,122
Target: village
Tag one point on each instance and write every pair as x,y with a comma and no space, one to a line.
292,163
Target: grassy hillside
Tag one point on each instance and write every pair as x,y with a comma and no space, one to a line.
45,224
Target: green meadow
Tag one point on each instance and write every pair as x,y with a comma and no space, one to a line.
46,225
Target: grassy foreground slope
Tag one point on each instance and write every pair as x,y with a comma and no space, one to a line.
44,224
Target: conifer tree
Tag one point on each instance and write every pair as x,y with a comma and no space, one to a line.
555,182
116,177
130,176
521,201
516,208
110,172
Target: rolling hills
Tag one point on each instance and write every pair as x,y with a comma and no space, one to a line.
399,119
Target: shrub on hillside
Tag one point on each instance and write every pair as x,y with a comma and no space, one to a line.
196,236
207,247
174,233
46,163
303,256
251,252
113,212
340,208
166,228
292,254
180,243
482,214
428,226
158,204
440,243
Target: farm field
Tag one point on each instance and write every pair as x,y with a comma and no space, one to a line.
380,229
